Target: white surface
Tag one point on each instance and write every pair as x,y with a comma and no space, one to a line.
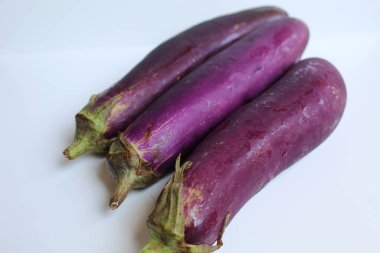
55,54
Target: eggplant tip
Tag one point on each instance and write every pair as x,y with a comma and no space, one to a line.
117,199
113,205
77,148
66,153
69,153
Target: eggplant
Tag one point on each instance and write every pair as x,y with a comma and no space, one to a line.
243,154
111,111
181,117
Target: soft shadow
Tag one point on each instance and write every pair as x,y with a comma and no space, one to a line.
106,179
62,160
141,236
143,201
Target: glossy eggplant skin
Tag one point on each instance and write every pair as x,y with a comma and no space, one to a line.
258,142
111,111
248,149
180,118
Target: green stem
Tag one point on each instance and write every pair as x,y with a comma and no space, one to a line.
155,245
128,170
88,137
80,146
91,124
167,221
125,183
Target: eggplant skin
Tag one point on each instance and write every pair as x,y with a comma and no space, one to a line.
181,118
187,111
111,111
175,57
259,141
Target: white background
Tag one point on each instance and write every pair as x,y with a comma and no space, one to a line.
55,54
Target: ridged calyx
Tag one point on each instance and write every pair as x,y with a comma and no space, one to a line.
91,124
167,221
128,170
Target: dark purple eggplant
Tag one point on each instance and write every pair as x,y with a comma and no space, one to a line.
111,111
243,154
181,117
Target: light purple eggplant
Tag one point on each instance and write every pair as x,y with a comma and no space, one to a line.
111,111
181,117
243,154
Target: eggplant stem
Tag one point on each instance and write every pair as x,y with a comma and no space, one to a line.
122,189
128,170
77,148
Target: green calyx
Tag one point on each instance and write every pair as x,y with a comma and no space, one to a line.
167,221
90,128
128,170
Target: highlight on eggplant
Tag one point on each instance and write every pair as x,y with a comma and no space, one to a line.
244,153
111,111
182,116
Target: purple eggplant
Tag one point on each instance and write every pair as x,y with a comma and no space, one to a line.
111,111
243,154
179,119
